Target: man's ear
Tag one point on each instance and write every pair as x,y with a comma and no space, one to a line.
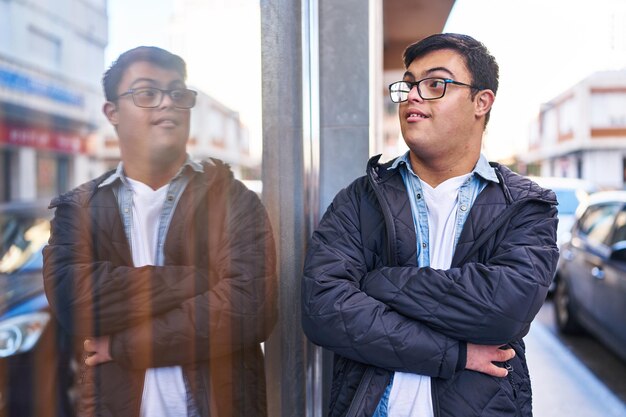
110,111
484,100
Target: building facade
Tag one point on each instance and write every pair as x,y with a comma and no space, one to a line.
51,60
218,132
582,132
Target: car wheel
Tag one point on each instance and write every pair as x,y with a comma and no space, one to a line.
564,310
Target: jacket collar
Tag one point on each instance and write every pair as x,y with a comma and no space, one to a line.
119,174
514,186
482,167
211,170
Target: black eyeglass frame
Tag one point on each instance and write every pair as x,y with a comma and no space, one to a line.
132,92
412,84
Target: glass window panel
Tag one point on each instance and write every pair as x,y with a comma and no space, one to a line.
597,222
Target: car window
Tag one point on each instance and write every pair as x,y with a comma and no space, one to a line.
21,241
620,227
597,221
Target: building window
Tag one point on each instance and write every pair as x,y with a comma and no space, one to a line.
44,47
567,117
608,110
63,174
53,174
5,175
9,178
549,127
46,176
579,167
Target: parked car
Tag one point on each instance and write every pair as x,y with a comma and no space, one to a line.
570,192
591,294
35,355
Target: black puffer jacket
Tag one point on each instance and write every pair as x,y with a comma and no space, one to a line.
207,309
365,299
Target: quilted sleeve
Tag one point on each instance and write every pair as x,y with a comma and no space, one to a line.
93,297
488,302
337,315
236,313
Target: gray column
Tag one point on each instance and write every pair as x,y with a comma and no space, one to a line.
283,195
316,132
344,94
345,60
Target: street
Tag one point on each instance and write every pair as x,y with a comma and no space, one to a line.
573,375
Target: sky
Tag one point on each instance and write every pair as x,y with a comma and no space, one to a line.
223,59
543,48
136,22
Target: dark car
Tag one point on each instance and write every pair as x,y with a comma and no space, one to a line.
35,355
592,272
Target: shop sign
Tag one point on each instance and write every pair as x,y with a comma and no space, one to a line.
24,83
39,138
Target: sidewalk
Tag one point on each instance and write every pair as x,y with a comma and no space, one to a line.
562,385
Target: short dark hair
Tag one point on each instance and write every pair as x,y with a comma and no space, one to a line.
152,54
481,65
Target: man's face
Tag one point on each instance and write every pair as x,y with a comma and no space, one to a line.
446,126
159,134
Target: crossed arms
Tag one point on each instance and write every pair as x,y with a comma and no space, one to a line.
222,302
422,320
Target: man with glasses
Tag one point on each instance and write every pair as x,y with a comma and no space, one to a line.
163,269
424,275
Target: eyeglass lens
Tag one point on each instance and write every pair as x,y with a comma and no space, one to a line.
152,97
428,89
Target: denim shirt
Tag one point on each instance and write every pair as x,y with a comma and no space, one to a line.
124,193
469,190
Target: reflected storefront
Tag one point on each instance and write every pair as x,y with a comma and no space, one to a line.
52,152
320,69
43,136
50,99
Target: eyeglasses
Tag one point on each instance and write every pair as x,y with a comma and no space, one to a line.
151,97
428,88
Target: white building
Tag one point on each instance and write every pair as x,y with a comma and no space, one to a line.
582,132
51,60
217,132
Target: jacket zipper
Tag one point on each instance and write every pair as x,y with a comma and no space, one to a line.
509,375
360,392
391,235
435,397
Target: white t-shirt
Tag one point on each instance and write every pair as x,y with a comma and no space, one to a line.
410,394
164,393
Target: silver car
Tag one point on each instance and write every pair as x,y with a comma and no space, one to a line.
592,272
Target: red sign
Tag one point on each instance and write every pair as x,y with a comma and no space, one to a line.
40,138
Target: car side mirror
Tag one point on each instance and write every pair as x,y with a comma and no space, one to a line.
618,251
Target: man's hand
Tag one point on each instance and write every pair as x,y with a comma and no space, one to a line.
481,357
97,350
